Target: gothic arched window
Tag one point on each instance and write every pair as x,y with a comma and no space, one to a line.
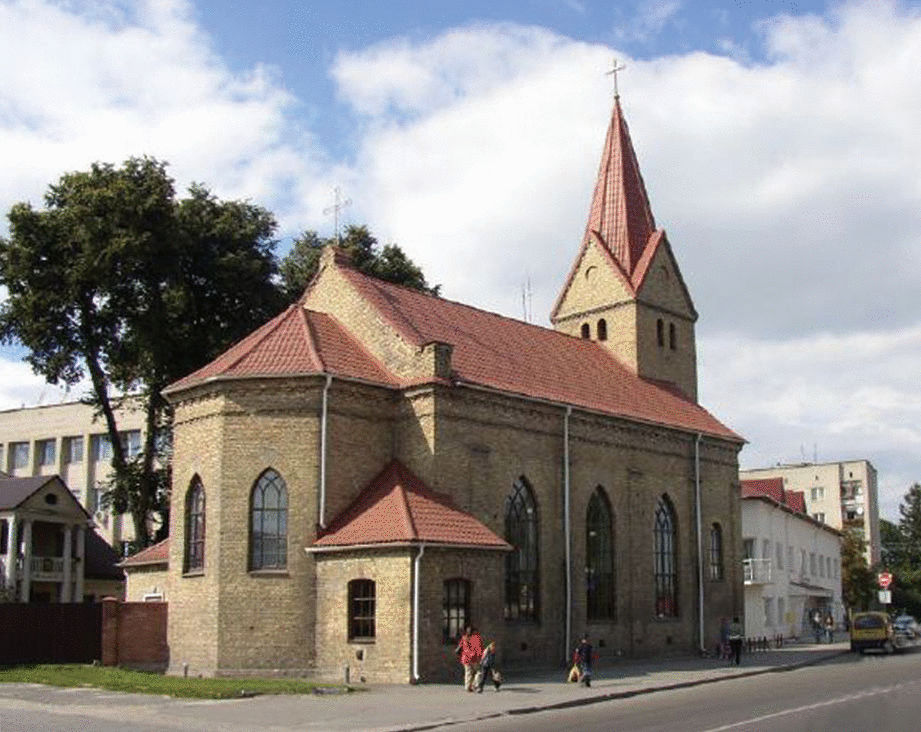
586,331
194,560
672,337
660,332
602,330
666,564
522,591
716,552
268,526
599,558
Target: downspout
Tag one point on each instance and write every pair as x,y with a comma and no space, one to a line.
567,531
416,583
700,556
323,430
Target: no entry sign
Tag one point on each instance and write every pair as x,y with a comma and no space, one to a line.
884,579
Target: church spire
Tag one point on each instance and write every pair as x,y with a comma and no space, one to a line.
620,216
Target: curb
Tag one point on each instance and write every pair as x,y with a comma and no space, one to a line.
610,696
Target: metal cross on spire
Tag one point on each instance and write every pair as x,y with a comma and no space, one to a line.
613,72
339,203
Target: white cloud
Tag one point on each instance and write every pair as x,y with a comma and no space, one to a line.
648,21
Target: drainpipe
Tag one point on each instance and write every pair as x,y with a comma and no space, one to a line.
567,530
700,556
323,431
416,583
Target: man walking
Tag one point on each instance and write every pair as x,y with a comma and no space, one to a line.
470,650
735,640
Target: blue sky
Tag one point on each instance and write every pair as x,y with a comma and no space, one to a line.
778,143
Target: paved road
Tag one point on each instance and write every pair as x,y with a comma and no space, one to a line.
874,692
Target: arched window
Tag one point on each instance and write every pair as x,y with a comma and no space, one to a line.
660,332
666,568
455,609
522,591
586,331
716,552
195,527
362,600
602,330
268,526
599,558
672,338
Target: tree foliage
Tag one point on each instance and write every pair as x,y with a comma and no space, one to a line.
901,552
118,281
388,263
857,579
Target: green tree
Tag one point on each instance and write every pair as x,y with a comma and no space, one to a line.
890,538
117,280
388,263
857,579
902,552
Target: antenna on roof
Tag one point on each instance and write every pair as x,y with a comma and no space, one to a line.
339,203
613,72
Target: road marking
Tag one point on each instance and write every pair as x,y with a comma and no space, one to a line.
875,691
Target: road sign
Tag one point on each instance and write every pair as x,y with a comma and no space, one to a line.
884,579
885,597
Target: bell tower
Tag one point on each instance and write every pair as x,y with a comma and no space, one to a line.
625,290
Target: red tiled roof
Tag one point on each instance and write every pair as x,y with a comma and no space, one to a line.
156,554
397,508
295,342
509,355
773,488
796,500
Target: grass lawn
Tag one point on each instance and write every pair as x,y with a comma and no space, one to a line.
119,679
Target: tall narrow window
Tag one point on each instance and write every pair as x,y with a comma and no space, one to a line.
599,558
602,330
268,528
195,527
4,535
665,569
586,331
672,337
361,609
522,591
716,552
455,609
660,332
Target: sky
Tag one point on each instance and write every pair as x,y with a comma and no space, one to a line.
778,142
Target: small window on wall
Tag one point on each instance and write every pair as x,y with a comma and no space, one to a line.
73,449
716,552
19,454
660,332
672,337
602,330
101,447
195,527
45,452
586,331
361,610
455,609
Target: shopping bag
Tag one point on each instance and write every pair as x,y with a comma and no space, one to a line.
573,674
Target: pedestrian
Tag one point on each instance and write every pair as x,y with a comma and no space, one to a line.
724,651
817,626
584,655
488,668
829,628
469,652
736,633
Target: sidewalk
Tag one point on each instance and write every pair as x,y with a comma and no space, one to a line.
427,706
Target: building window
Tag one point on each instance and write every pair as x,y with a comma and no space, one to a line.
599,558
602,330
586,331
812,564
195,527
821,566
778,549
101,447
72,447
716,552
780,611
818,493
19,454
4,535
521,564
672,337
660,332
768,610
819,516
828,567
131,443
45,452
455,609
748,549
361,610
268,529
666,567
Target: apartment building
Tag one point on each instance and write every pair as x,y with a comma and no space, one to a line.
791,565
842,495
67,440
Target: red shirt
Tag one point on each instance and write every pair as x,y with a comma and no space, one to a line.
471,648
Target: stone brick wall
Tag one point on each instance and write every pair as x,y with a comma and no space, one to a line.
134,634
146,580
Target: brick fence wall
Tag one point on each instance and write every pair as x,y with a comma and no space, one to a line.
134,634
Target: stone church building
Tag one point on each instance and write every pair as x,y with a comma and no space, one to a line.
376,467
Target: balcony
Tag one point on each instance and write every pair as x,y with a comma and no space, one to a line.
48,569
756,571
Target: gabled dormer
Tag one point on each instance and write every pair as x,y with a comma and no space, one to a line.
625,289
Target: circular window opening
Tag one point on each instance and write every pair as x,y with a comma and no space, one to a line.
51,499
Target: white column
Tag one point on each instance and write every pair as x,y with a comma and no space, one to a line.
26,559
12,555
66,585
81,563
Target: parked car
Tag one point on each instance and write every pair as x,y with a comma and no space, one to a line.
872,630
907,629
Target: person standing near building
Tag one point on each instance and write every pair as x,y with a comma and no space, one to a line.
584,655
469,651
736,634
829,628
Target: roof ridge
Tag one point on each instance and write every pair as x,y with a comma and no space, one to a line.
311,337
402,480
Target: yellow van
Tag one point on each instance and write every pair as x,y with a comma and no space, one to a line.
872,630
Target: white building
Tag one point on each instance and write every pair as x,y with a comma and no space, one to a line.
792,564
842,495
66,440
